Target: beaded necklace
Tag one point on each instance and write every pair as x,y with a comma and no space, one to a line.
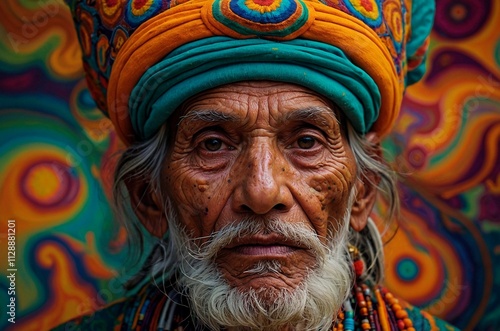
370,308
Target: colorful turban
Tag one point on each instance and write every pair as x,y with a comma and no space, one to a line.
143,58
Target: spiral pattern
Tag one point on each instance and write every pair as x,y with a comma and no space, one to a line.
85,31
138,11
446,143
110,11
462,18
278,18
368,11
118,38
48,184
395,22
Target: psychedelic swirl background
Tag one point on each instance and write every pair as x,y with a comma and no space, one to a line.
57,153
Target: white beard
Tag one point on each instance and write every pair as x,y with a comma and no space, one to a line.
311,306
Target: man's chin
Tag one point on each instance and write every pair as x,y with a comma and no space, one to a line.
266,295
266,285
250,290
268,288
271,275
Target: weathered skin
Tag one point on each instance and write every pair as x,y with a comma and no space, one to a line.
263,155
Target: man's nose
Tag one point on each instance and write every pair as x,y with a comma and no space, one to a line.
262,187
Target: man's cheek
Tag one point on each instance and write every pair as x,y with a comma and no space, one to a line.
200,204
328,188
324,199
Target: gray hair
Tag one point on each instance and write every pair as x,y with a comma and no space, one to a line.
369,240
144,161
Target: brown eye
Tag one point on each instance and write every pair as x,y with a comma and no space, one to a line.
306,142
212,144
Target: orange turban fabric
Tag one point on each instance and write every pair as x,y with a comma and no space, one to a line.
143,58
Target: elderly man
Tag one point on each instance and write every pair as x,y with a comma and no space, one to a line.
253,155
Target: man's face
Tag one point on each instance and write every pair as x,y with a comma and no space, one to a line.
266,151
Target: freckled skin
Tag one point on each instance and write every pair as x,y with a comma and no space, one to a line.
263,162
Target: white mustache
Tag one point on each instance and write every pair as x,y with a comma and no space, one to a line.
296,233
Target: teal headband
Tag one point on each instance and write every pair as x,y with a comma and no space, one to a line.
215,61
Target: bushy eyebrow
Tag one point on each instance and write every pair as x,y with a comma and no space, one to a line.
207,115
320,115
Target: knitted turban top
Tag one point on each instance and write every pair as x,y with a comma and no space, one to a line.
143,58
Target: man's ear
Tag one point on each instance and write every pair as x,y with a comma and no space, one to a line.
147,206
366,189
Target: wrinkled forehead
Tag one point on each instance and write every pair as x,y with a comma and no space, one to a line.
272,102
259,105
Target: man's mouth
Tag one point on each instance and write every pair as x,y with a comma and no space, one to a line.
264,249
264,245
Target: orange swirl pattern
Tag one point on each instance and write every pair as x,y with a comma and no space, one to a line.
31,30
394,19
110,11
420,259
447,142
44,191
52,139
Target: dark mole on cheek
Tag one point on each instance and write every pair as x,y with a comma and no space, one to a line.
229,180
329,187
282,169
